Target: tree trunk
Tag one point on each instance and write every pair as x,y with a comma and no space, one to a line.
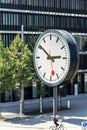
0,108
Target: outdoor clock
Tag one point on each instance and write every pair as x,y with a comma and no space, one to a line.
56,57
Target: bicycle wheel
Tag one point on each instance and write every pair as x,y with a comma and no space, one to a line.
60,127
52,128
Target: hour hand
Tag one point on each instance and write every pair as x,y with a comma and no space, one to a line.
48,55
54,57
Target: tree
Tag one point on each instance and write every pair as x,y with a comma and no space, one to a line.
6,76
22,65
41,92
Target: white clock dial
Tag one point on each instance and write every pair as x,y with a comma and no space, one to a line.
52,58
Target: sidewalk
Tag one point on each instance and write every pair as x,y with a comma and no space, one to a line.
72,117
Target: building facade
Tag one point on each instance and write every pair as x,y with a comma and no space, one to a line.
39,15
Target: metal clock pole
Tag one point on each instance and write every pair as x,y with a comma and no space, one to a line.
58,97
54,101
69,61
22,89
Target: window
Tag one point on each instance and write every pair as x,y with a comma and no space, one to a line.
6,1
23,2
10,19
63,20
81,23
36,20
73,4
72,22
15,1
51,3
79,4
63,4
41,2
58,3
57,22
86,23
16,19
67,22
29,2
35,2
5,19
30,20
41,20
9,1
85,5
47,21
52,21
23,22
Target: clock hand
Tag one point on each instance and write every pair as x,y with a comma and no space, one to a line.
46,52
54,57
52,72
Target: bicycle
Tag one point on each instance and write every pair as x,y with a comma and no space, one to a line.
60,127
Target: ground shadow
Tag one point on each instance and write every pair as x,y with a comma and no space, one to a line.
73,116
30,120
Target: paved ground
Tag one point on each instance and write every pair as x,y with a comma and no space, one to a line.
72,117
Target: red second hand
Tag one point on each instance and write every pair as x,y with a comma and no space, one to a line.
52,72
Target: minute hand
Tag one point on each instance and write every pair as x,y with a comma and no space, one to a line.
49,57
54,57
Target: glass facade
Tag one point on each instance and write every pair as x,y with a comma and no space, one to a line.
39,15
73,5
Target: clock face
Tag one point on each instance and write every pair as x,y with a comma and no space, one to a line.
51,58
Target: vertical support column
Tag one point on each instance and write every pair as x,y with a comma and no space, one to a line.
22,32
0,108
41,105
75,89
22,89
82,82
54,101
59,99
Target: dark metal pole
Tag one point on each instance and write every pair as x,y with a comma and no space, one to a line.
22,89
59,99
54,101
22,32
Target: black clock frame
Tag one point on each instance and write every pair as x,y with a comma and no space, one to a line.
74,55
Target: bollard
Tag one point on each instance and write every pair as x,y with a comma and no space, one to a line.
68,104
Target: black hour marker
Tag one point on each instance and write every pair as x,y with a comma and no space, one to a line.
44,40
37,57
62,47
39,47
50,78
50,37
62,68
44,74
57,76
39,67
57,39
64,57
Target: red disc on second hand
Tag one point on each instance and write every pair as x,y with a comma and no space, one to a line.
52,72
